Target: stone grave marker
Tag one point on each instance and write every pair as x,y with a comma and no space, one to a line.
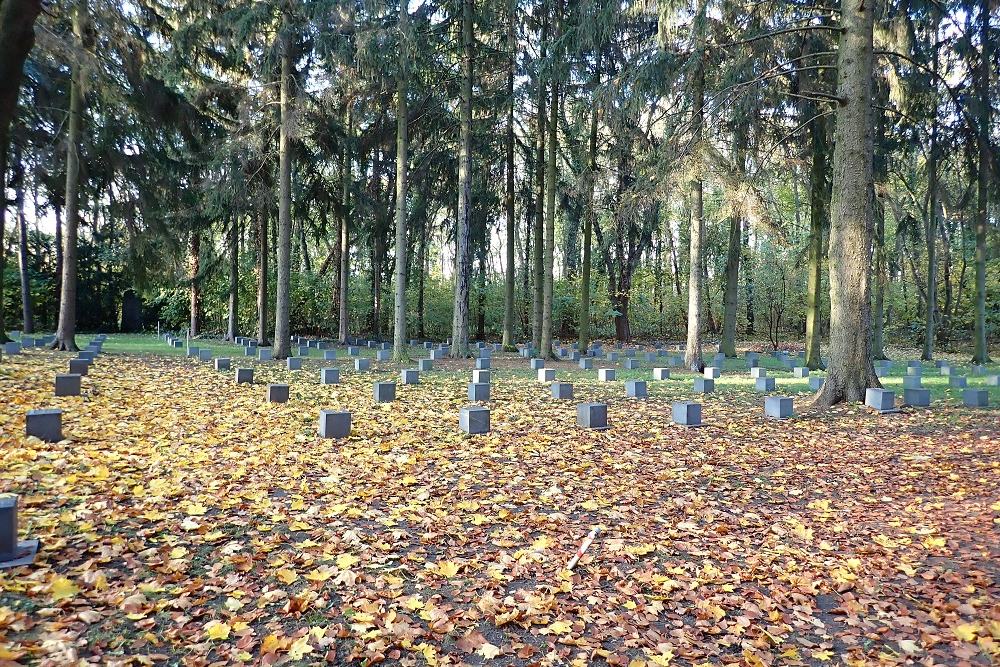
587,363
480,376
362,364
67,384
244,376
79,366
778,407
329,376
334,424
277,393
882,400
409,376
12,552
479,391
384,392
712,372
636,389
425,364
264,354
546,374
329,355
606,374
703,385
293,363
686,413
592,415
563,390
630,364
222,363
483,364
383,355
816,383
912,382
537,363
46,425
957,382
800,372
474,420
918,398
976,398
661,373
763,384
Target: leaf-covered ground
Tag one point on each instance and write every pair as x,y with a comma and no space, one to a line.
186,521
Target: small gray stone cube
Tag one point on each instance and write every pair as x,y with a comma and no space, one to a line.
712,372
537,363
945,370
957,382
978,369
250,351
437,354
636,389
919,398
912,382
686,413
661,373
882,400
606,374
205,355
79,366
479,391
425,364
353,351
816,383
264,354
474,420
362,364
612,356
334,424
277,393
764,384
222,364
976,398
67,384
914,371
91,355
546,374
592,415
409,376
303,350
778,407
630,364
799,372
384,392
46,425
329,376
383,355
481,376
704,385
193,351
587,363
562,390
758,372
329,355
483,364
293,363
244,376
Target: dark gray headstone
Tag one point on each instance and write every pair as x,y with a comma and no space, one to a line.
334,424
277,393
630,364
353,351
205,355
778,407
612,356
91,355
976,398
329,355
67,384
329,376
385,392
882,400
957,382
45,425
606,374
800,372
919,398
481,376
244,376
409,376
537,363
563,390
425,364
483,363
222,364
912,382
661,373
383,355
193,351
816,383
704,385
587,364
764,384
592,415
479,391
758,372
546,374
686,413
265,354
79,366
636,389
12,552
362,364
914,371
474,420
712,372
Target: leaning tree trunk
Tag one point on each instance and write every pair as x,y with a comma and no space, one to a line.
283,298
460,313
232,325
692,355
851,371
981,354
399,348
194,269
509,277
66,332
817,221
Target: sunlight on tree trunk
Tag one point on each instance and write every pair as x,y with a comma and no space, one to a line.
399,348
460,316
282,307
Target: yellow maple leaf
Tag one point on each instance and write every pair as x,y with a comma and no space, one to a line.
217,630
178,552
560,628
488,651
822,654
934,542
270,644
448,568
662,659
62,588
966,631
286,576
346,561
196,509
299,648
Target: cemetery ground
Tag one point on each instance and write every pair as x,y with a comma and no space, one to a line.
185,520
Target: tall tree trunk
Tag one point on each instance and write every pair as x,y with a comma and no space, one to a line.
851,371
879,268
28,320
194,269
282,306
748,278
550,196
508,303
422,258
460,314
232,324
692,356
343,323
588,220
66,332
399,344
731,296
305,264
817,222
981,354
538,250
262,275
931,222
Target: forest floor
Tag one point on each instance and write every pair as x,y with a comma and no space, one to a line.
184,520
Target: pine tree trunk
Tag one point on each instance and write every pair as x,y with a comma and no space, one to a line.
538,246
343,323
399,343
27,318
550,201
817,221
588,222
262,276
66,332
930,227
981,354
194,269
731,296
692,356
851,371
508,303
282,307
460,314
748,287
232,324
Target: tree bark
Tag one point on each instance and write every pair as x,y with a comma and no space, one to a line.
817,222
731,296
508,303
851,371
343,323
66,332
692,355
232,324
194,269
931,222
981,354
550,195
538,246
399,343
460,314
262,276
749,279
27,317
282,307
588,220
